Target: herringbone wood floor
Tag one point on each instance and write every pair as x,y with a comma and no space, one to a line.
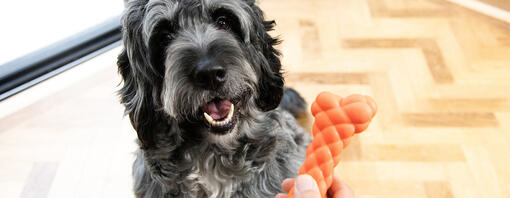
440,74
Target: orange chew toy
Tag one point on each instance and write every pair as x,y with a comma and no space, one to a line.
336,121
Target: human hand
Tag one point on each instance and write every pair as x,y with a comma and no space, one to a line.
306,187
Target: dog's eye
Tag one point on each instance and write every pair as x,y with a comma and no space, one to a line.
223,23
226,20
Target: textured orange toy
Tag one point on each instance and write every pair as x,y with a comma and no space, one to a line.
336,121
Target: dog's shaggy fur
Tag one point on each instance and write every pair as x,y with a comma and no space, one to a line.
180,155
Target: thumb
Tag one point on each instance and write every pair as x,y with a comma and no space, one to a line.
306,187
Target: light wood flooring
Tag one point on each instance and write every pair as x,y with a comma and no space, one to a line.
439,72
502,4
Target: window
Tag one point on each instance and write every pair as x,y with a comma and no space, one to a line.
42,38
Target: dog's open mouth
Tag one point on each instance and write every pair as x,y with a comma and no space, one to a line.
219,115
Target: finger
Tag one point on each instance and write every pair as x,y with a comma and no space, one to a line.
336,186
287,184
339,189
281,195
306,187
309,194
345,192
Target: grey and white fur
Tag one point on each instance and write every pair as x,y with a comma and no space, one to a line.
167,44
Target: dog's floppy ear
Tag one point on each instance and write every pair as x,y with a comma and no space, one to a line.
270,82
135,102
140,83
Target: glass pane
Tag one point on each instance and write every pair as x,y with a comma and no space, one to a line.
31,25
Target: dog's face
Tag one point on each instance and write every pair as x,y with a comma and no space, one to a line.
203,63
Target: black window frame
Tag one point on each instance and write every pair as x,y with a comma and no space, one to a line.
35,67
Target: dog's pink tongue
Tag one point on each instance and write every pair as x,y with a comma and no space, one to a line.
217,109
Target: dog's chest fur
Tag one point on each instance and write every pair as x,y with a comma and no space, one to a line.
222,175
211,180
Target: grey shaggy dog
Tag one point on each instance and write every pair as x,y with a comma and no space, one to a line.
203,88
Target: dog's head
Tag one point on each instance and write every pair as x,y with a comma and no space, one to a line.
205,64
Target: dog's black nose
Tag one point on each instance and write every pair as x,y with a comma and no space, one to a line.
209,75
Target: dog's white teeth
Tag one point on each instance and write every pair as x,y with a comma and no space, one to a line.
208,118
231,112
224,122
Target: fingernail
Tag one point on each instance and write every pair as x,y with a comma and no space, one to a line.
305,183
